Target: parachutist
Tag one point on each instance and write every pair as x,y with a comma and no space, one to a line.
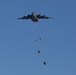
39,38
38,51
36,40
44,63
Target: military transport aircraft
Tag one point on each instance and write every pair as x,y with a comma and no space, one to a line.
34,17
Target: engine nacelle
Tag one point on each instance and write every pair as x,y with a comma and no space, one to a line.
28,15
39,15
44,15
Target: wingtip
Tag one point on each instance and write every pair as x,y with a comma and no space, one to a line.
51,17
18,18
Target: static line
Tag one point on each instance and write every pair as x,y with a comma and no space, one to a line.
34,27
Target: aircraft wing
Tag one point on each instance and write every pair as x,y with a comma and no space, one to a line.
25,17
43,17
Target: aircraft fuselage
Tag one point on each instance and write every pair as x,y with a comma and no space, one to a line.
34,17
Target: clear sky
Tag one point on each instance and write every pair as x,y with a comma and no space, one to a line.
18,46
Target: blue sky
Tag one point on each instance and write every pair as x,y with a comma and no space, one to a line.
18,46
